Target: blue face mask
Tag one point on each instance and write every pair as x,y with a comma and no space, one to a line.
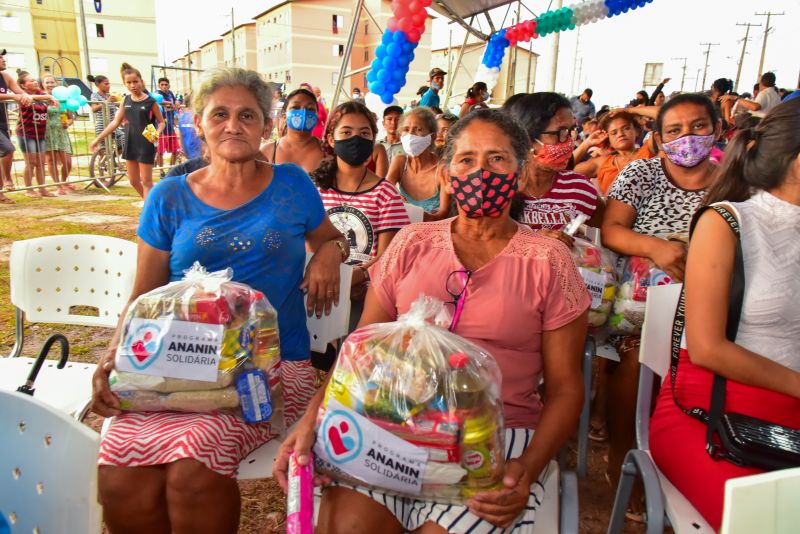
435,85
301,119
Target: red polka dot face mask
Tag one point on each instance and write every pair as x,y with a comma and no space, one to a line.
484,193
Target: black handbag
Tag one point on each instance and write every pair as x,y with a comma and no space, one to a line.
740,439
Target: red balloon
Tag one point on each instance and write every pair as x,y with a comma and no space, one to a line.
401,12
425,3
414,6
419,19
414,36
392,25
405,24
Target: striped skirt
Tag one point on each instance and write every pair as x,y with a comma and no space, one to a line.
413,513
219,440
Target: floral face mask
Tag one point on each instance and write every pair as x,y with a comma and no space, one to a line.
555,157
690,150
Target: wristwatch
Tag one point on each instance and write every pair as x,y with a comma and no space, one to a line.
344,250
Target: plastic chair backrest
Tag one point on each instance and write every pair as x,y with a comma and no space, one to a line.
765,503
328,328
48,468
662,301
55,278
415,213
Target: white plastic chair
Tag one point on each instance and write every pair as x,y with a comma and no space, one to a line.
48,468
335,326
52,276
765,503
662,498
415,213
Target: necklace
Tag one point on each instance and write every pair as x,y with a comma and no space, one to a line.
339,192
535,196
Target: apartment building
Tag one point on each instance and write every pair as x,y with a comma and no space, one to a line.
46,36
243,37
507,84
212,54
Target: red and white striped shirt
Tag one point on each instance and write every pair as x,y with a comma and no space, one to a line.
570,195
364,215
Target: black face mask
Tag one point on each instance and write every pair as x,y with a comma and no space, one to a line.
355,150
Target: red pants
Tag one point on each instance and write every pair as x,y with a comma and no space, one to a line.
677,441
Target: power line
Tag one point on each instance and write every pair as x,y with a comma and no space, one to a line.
705,69
767,29
744,48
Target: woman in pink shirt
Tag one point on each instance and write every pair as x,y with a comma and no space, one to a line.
518,295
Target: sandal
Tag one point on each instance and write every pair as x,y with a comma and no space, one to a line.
32,194
5,200
598,432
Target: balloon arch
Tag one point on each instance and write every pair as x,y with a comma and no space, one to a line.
404,30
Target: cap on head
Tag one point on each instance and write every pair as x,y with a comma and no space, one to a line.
436,72
392,109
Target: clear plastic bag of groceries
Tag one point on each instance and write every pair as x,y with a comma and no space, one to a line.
413,409
596,267
638,274
201,344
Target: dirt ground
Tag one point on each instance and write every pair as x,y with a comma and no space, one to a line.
263,504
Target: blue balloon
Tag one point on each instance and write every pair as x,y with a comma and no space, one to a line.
377,87
377,64
398,74
380,51
384,75
394,50
386,38
82,100
159,98
372,76
60,93
387,98
399,37
389,63
73,91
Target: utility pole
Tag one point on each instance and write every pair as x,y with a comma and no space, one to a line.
556,43
705,69
767,29
233,38
575,61
189,64
697,79
85,42
744,48
683,70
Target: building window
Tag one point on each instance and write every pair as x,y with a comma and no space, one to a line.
337,50
10,24
338,23
366,56
43,36
100,31
47,68
366,28
288,77
40,2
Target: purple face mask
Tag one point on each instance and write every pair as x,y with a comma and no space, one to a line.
690,150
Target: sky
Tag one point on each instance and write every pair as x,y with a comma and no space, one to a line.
613,51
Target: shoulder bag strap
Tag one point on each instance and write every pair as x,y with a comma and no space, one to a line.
735,301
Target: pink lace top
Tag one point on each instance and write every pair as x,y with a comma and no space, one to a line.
530,287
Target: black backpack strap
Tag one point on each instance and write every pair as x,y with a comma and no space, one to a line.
735,301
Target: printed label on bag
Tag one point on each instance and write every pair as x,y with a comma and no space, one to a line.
171,349
350,444
595,284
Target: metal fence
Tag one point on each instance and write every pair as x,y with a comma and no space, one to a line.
28,168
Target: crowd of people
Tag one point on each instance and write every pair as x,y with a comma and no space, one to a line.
498,188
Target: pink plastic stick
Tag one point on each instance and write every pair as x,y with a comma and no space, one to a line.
300,498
